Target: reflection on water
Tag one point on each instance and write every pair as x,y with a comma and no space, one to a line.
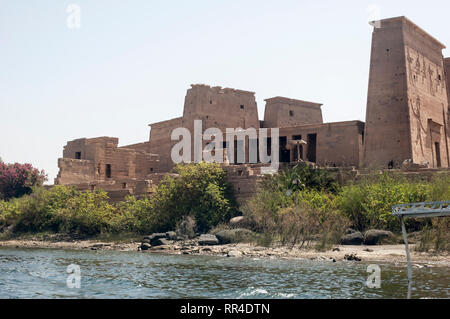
41,273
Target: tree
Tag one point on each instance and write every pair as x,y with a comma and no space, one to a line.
17,179
200,191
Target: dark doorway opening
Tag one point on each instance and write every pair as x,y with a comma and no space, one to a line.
108,170
77,155
438,154
312,147
269,146
285,154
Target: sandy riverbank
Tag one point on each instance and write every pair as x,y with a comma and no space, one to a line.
383,253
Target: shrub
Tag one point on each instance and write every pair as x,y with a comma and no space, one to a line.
439,188
8,213
18,179
303,176
200,190
368,203
436,235
186,227
64,210
134,216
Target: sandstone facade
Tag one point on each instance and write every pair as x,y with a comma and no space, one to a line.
407,106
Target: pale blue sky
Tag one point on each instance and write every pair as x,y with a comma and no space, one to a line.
131,62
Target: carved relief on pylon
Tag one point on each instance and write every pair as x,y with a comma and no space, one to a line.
417,121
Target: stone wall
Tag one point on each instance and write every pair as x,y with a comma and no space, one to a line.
220,107
72,171
161,143
338,144
100,160
284,112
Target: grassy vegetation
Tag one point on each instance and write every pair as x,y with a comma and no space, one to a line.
317,208
299,206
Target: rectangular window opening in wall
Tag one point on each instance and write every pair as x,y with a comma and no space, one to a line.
438,154
150,170
124,185
297,137
108,170
242,107
77,155
291,113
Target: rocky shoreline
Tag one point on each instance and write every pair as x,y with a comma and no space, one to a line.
355,253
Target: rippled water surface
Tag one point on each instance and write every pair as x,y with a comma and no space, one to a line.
41,273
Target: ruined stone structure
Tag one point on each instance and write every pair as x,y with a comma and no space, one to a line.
407,119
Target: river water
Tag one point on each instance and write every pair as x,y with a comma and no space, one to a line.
41,273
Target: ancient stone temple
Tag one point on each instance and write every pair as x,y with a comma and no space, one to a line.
406,122
407,106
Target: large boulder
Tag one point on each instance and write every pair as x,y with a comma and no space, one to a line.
161,242
377,236
237,235
145,246
234,253
171,235
355,238
207,240
153,238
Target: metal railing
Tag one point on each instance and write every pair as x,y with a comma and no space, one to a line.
418,210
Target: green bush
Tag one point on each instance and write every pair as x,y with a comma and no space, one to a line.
134,216
64,210
200,190
368,203
282,208
294,213
300,177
